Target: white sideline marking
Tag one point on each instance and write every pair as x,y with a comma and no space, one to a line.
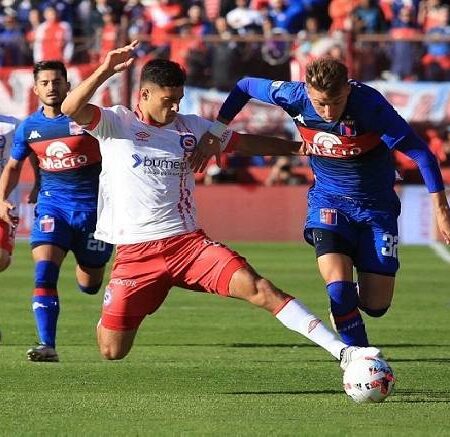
441,251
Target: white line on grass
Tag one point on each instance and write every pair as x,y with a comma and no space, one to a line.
441,251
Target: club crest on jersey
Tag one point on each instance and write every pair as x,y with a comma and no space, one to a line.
2,141
47,224
328,216
188,142
347,128
75,128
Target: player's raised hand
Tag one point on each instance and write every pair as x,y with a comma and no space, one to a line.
7,214
207,147
120,59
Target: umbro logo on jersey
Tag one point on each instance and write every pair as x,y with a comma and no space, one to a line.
34,134
142,136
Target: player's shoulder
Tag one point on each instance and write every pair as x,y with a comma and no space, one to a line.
366,93
192,120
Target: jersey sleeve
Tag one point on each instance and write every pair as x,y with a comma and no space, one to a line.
107,122
283,94
385,120
20,148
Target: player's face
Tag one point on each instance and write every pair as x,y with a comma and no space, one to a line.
51,87
329,107
161,103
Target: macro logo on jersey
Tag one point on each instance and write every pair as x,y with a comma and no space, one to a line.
188,142
333,145
59,156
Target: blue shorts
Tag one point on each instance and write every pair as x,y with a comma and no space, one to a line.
369,227
70,230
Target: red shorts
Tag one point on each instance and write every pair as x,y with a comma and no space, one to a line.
7,235
143,274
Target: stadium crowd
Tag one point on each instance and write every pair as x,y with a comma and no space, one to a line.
220,41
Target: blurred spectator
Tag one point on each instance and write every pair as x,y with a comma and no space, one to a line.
53,38
243,19
189,49
287,16
13,47
163,16
368,18
446,147
369,56
436,144
282,173
225,59
404,53
340,12
436,61
107,37
429,14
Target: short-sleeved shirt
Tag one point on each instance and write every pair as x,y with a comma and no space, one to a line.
146,184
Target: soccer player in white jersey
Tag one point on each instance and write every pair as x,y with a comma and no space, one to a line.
146,208
7,232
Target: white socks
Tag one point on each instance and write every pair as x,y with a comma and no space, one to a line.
297,317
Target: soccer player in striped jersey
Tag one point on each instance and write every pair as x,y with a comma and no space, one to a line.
66,210
147,208
350,131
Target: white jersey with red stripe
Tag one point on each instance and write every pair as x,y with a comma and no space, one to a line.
146,183
7,128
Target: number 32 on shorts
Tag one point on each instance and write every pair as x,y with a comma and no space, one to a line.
390,247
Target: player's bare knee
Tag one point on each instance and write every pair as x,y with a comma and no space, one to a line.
112,352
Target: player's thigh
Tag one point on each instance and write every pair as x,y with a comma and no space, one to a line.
207,265
138,285
91,254
378,245
375,291
48,252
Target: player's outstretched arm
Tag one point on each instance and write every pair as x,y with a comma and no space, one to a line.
249,145
442,211
76,104
8,181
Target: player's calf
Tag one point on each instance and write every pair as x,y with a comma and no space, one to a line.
90,289
5,260
247,285
379,312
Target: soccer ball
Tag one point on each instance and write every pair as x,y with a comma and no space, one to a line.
368,379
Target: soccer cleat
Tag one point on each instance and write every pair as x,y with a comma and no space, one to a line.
42,353
351,353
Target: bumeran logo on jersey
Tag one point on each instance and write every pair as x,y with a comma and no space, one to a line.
159,166
59,156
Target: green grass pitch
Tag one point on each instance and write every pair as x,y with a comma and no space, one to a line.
205,365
